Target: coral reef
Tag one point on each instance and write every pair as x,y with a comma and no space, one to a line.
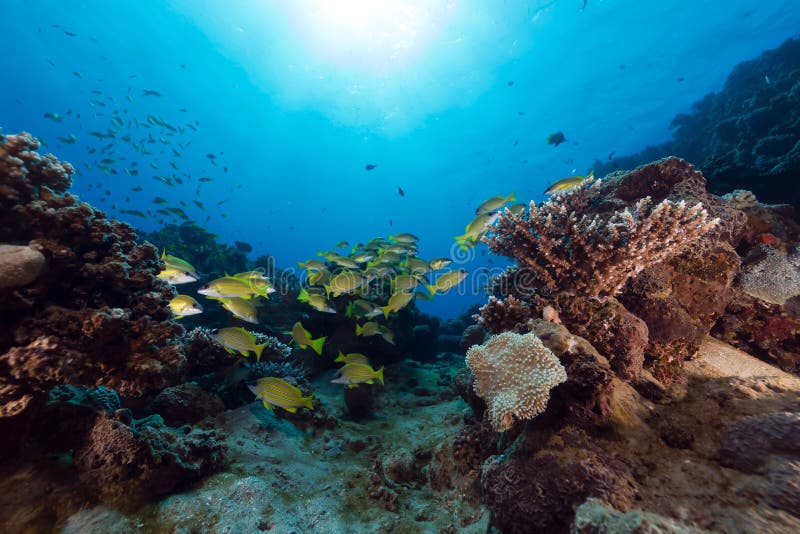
769,331
572,251
185,404
128,465
746,135
640,309
514,374
199,247
98,316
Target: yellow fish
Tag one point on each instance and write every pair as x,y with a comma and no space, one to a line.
566,184
397,301
278,392
494,204
227,287
316,301
372,328
447,281
312,265
183,305
177,276
405,238
175,262
353,357
476,229
238,340
241,308
303,339
405,282
354,374
439,263
343,283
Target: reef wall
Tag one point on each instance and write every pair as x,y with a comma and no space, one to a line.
87,339
747,136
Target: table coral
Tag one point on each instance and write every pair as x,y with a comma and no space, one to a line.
571,250
514,374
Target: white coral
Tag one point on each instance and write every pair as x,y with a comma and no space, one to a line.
514,374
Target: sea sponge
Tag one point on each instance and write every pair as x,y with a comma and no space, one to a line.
741,198
774,277
514,374
19,265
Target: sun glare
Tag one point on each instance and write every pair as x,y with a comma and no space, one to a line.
366,33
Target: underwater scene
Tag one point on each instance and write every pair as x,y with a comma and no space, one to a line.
400,266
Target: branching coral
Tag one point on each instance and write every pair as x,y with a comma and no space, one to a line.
594,255
514,374
503,315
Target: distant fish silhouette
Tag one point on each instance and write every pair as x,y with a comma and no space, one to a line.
556,138
369,166
401,192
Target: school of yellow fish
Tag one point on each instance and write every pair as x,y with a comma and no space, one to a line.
374,279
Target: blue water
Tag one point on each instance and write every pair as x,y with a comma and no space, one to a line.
452,100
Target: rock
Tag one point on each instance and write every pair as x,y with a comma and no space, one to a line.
784,487
596,517
540,493
19,265
614,331
185,404
464,385
360,401
15,419
680,300
130,465
752,442
473,335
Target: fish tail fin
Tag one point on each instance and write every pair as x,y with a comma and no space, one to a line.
379,375
463,242
316,344
308,402
385,310
258,349
340,357
431,290
359,329
303,296
164,255
512,197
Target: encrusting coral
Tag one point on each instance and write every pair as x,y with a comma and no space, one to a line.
514,374
594,255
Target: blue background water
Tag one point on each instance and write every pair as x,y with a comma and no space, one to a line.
295,98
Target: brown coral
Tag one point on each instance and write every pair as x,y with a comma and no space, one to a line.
514,374
580,253
98,315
